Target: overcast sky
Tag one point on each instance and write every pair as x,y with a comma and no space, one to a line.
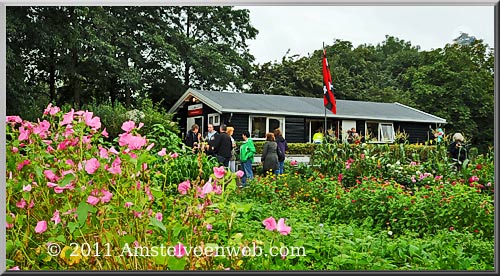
303,29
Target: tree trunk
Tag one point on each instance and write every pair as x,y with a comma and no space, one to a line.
75,80
128,92
112,91
52,76
187,65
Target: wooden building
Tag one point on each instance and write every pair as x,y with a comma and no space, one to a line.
300,117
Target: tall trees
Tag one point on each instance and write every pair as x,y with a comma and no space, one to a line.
80,54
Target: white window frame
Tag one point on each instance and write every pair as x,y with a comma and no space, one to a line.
250,124
380,136
215,117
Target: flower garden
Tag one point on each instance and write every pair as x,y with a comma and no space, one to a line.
78,199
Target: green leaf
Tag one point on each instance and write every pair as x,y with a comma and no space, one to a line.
72,226
177,229
127,239
83,209
175,263
160,259
244,207
9,246
66,180
157,223
61,238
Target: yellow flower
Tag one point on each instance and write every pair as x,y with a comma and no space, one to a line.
72,258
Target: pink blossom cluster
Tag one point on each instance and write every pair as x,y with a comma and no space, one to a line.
271,225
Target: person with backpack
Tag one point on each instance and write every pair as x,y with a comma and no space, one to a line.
247,152
282,148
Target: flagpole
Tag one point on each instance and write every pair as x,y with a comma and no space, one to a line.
324,129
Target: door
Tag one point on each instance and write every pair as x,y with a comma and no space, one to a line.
194,120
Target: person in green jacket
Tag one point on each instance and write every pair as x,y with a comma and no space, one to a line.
247,152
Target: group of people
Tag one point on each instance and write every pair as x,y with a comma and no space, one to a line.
222,146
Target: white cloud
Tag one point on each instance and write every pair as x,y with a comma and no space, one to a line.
303,29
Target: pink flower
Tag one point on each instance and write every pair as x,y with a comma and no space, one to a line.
283,255
179,250
27,188
22,164
103,153
41,227
50,175
128,204
162,152
133,142
270,223
23,134
293,162
106,196
137,214
282,228
113,151
362,156
217,189
15,119
58,189
159,216
92,200
174,155
68,117
473,179
240,173
14,268
51,185
105,133
32,203
150,146
94,123
15,150
209,227
339,178
56,218
115,166
92,165
207,188
21,203
184,187
219,172
438,177
128,126
10,225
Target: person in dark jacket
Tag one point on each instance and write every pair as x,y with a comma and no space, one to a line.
283,146
193,137
270,155
223,146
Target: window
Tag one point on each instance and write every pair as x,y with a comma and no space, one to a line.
214,119
260,125
379,132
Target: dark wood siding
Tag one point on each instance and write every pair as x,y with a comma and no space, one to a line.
295,130
239,122
417,132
